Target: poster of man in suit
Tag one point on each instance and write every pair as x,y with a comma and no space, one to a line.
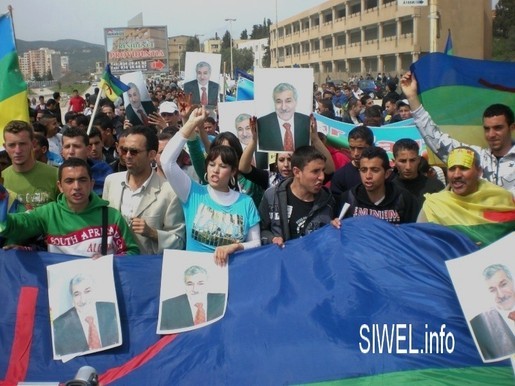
138,105
84,310
235,118
283,105
202,72
193,291
485,284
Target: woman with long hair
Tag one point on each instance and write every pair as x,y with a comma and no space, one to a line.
217,218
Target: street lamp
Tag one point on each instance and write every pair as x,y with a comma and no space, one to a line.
230,31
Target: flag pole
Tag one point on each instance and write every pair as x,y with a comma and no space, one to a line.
100,92
10,10
225,83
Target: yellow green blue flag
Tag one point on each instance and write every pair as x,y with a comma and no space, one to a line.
112,86
448,45
13,89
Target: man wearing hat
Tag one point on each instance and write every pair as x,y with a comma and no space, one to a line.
170,113
166,117
403,111
478,208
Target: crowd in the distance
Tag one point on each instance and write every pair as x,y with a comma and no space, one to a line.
181,182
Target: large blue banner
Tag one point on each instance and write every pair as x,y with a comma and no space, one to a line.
369,301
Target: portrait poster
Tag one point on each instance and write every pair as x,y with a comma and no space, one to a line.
235,118
83,307
193,291
201,78
485,285
138,105
283,102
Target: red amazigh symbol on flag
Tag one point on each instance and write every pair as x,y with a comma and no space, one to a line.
157,65
108,90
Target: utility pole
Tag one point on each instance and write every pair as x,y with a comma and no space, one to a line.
433,25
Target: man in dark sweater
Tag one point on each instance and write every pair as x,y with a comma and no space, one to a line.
348,176
407,173
375,195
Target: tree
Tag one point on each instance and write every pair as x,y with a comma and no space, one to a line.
260,31
48,75
241,58
503,31
244,35
504,18
267,59
226,40
36,76
192,45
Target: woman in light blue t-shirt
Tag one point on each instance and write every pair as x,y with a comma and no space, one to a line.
217,218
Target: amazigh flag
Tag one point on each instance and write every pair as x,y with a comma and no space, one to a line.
448,45
245,90
455,91
4,207
112,86
13,89
245,86
485,216
348,306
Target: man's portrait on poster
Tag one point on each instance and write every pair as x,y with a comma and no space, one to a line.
202,89
89,325
285,129
196,306
495,329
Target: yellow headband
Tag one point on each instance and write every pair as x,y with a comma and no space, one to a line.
461,157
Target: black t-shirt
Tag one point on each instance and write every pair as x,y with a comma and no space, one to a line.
298,211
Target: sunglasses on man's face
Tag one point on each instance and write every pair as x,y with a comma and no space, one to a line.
132,152
167,114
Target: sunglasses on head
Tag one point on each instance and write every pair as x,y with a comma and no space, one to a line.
133,152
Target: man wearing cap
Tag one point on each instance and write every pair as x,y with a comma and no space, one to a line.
403,111
481,210
168,116
497,161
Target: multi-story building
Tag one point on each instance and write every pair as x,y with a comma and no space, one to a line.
257,46
212,46
99,68
342,38
176,49
65,64
40,62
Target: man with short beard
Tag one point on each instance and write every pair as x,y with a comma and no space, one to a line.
475,207
496,161
407,174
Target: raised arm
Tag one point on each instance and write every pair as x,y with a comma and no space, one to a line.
409,87
317,143
440,143
178,179
245,165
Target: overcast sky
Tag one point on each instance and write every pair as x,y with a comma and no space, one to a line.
86,20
